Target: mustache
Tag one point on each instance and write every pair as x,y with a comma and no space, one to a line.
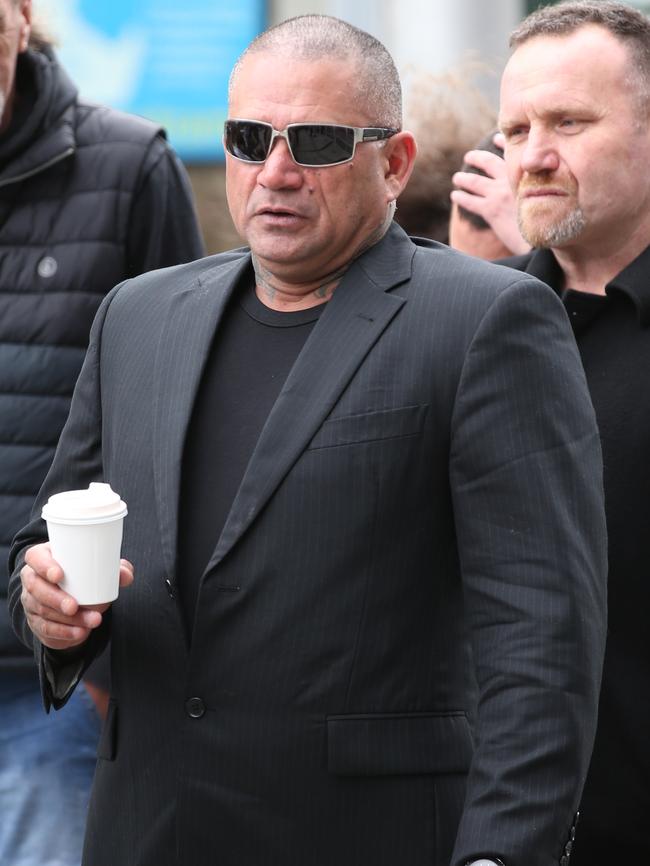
527,186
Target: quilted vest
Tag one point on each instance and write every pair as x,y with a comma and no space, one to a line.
65,203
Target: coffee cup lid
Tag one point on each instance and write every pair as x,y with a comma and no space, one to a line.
96,504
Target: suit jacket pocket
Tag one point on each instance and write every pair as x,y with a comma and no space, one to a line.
369,426
107,748
398,744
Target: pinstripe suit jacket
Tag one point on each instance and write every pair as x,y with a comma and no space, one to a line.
428,484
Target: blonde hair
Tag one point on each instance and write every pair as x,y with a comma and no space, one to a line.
448,116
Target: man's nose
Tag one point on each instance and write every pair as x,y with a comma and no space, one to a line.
539,153
280,171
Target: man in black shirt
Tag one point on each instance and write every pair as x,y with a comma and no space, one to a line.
349,460
574,110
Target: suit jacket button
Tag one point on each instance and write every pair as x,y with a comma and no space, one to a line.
195,708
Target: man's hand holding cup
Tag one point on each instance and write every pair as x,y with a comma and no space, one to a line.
69,582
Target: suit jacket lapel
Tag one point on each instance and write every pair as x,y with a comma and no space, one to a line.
353,320
193,315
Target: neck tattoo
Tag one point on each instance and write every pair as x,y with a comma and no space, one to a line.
267,282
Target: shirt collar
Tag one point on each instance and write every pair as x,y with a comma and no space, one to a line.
633,281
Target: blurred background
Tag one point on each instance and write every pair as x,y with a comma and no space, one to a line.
170,60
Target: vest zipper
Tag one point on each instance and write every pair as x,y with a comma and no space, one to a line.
38,169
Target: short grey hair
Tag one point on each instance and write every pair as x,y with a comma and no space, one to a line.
628,25
313,37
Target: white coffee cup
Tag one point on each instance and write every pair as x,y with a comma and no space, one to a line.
85,531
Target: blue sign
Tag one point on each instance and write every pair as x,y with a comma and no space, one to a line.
163,59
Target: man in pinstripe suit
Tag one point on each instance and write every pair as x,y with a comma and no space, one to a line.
385,460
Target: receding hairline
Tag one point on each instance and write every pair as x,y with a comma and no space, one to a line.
628,26
312,38
562,18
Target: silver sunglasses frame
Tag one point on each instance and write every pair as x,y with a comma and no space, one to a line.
361,135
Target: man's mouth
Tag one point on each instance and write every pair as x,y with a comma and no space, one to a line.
279,212
540,191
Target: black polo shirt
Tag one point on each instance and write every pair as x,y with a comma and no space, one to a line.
613,335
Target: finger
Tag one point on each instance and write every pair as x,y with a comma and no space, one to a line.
499,140
486,161
46,593
473,183
473,203
57,635
40,559
87,619
126,573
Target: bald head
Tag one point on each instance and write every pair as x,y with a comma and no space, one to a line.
315,37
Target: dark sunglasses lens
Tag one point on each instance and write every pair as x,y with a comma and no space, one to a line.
247,140
313,144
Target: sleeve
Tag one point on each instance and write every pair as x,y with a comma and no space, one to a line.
526,480
60,671
77,462
163,227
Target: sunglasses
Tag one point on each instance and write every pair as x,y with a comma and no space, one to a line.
310,144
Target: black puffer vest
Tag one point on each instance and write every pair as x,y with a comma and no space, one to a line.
65,201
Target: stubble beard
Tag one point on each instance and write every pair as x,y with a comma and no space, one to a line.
542,232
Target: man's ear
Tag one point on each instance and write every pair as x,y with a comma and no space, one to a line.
25,24
400,152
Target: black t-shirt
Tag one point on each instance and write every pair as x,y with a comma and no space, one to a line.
582,307
252,354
